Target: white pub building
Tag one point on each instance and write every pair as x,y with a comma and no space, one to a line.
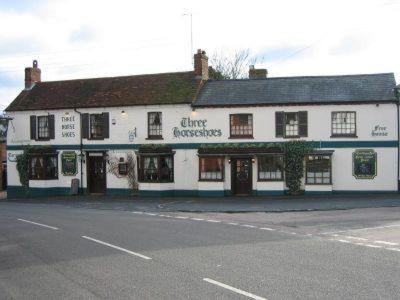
186,134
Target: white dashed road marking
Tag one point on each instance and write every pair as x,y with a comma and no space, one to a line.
266,228
38,224
386,243
248,226
116,247
233,289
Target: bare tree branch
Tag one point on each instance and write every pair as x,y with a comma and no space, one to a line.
234,66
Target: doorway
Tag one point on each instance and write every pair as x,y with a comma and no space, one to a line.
241,174
96,173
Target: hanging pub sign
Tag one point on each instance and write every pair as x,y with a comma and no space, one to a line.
68,163
364,164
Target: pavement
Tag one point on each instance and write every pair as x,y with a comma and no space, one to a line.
224,204
50,251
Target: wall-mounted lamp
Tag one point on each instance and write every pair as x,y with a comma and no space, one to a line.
193,113
123,113
253,160
229,161
67,113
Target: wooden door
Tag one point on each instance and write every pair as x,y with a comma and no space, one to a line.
96,173
241,176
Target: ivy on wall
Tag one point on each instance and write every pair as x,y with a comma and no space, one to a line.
23,161
294,153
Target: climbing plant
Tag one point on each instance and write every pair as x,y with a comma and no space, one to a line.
23,161
113,168
294,153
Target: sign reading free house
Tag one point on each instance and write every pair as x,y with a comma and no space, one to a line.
194,128
364,164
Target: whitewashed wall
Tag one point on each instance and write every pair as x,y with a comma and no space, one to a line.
186,161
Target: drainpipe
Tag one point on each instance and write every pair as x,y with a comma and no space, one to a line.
397,95
80,148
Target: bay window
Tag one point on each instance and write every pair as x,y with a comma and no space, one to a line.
156,168
43,166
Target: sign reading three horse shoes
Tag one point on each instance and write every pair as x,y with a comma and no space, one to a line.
364,164
68,163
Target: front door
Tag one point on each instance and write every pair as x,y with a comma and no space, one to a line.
241,176
96,173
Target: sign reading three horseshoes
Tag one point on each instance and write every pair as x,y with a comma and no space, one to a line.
195,128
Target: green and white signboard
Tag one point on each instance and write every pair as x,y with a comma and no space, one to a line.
364,164
68,163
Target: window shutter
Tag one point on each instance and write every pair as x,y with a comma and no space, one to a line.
85,126
279,123
106,125
303,128
33,127
51,126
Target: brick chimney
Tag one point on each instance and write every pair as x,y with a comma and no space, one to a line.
32,75
257,73
201,65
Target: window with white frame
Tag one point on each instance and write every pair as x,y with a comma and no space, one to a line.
270,167
344,123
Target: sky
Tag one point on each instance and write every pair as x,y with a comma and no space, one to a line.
86,38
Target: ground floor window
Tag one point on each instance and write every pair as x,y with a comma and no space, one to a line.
43,166
211,168
318,169
156,168
270,167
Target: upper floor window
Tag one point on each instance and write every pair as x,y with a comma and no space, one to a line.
318,169
270,167
211,168
42,127
43,166
291,124
344,123
241,126
154,121
95,126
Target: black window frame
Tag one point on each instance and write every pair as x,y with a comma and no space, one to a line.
259,161
99,124
281,118
339,135
38,129
159,131
43,175
241,136
307,170
142,176
222,171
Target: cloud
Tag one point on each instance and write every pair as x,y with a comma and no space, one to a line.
10,80
83,34
20,5
12,46
349,45
280,53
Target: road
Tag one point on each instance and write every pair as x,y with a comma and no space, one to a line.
55,251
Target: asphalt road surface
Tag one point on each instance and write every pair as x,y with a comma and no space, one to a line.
60,252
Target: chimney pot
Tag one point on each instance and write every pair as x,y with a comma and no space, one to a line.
201,65
32,75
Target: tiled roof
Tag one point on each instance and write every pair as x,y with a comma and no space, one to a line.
298,90
167,88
